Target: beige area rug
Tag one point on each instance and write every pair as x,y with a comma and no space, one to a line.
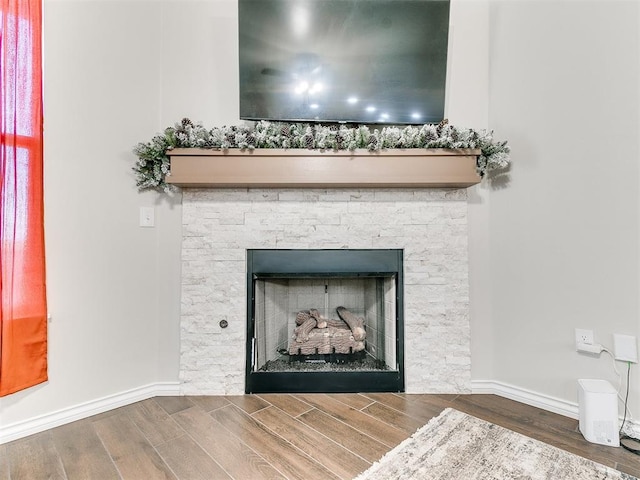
455,445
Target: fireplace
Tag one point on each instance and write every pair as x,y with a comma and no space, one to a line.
220,227
324,320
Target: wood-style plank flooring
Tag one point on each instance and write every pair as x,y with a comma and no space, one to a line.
254,437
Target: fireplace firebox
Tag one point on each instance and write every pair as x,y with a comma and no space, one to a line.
324,321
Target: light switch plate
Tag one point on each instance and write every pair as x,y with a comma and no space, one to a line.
147,217
625,348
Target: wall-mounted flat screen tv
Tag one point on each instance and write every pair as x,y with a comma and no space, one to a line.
351,61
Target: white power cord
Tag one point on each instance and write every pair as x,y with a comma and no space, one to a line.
594,348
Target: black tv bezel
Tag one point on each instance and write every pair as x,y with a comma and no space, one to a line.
358,120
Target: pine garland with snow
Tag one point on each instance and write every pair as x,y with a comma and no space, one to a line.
153,164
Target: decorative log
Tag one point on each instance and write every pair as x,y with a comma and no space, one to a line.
302,317
343,342
337,323
355,323
321,321
326,341
319,342
318,335
302,332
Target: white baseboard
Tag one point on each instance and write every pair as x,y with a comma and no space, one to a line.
528,397
24,428
540,400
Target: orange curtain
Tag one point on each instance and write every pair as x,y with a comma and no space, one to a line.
23,306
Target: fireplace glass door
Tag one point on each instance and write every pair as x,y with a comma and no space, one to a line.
324,321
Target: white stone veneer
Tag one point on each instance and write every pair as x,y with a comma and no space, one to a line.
219,225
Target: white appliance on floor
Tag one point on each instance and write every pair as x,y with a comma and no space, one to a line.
598,408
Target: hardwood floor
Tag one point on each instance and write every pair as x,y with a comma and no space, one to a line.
255,437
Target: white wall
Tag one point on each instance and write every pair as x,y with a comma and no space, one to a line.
112,286
116,73
199,44
564,89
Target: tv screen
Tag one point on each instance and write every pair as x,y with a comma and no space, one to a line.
351,61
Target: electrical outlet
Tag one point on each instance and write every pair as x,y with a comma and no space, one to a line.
584,336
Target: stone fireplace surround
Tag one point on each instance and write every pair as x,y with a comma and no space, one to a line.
429,224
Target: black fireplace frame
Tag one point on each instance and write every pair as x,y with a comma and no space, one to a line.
285,263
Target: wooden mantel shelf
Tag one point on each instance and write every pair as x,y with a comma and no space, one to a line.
279,168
